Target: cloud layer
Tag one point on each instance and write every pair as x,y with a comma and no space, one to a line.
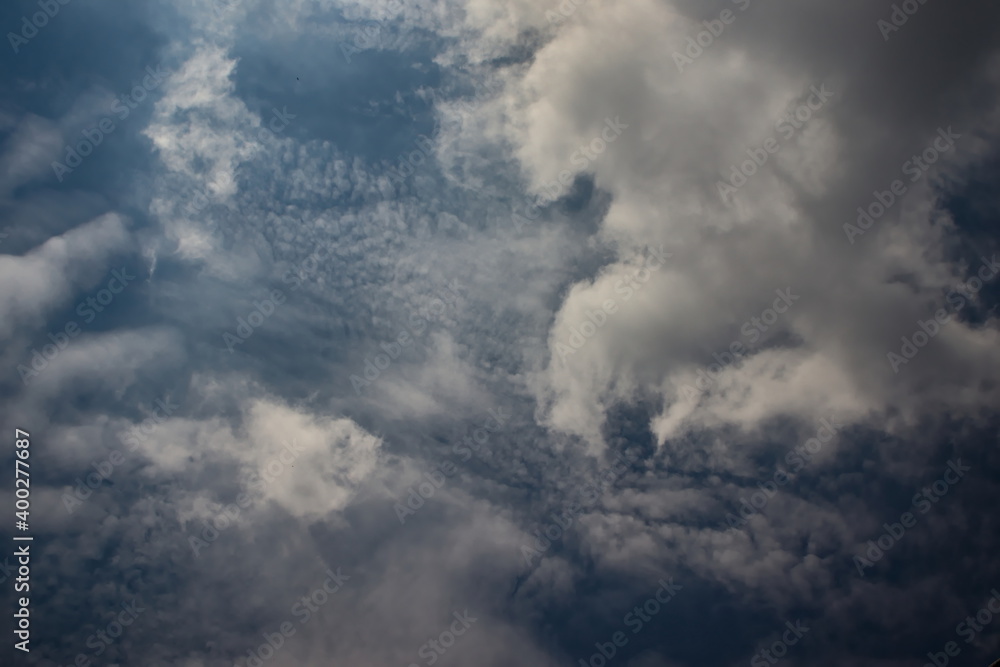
454,330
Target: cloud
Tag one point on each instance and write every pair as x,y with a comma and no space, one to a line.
554,159
45,277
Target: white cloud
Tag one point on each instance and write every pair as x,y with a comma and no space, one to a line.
43,279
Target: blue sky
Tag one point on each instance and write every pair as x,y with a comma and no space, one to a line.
413,313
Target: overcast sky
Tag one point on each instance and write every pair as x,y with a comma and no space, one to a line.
658,333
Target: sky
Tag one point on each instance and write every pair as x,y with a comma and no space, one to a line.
651,333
